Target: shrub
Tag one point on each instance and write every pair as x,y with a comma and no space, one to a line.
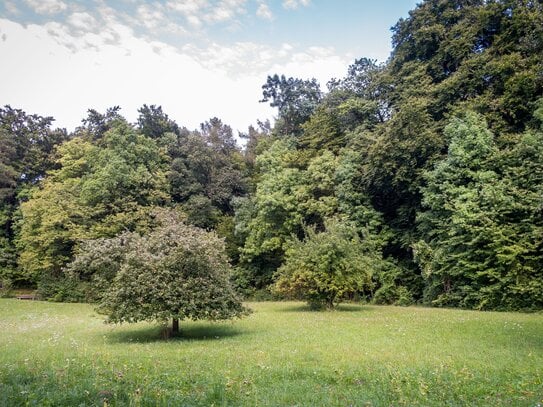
328,265
6,286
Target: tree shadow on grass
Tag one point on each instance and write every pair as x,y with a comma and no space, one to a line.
337,308
160,333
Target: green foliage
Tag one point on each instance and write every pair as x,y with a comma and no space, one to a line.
476,54
6,287
8,174
226,229
205,164
295,191
295,100
328,265
8,253
256,141
392,289
201,212
354,103
27,144
176,271
274,213
323,129
97,191
154,123
393,157
97,124
62,288
453,207
97,262
353,203
190,163
218,136
483,224
448,57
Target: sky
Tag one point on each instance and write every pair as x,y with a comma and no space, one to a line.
196,58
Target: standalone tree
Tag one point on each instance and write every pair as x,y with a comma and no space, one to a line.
176,272
328,265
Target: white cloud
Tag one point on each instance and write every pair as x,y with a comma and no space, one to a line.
196,12
264,11
98,61
83,31
82,22
11,7
151,16
194,20
47,6
226,10
63,78
244,59
155,18
294,4
187,7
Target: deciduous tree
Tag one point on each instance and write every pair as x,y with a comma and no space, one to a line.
97,191
175,272
295,99
482,225
327,265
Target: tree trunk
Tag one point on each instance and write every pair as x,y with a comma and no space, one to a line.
175,326
330,302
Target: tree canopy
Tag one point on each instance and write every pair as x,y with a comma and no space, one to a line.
176,271
328,265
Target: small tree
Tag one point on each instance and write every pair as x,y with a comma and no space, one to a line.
326,266
175,272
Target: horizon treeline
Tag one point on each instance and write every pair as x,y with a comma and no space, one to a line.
424,172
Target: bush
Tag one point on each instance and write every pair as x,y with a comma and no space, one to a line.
6,287
328,265
61,289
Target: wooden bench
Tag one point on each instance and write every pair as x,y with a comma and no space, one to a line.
26,297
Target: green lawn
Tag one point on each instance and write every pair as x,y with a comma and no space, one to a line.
282,355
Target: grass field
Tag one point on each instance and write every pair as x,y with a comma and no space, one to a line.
282,355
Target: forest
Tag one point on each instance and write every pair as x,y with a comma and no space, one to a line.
414,181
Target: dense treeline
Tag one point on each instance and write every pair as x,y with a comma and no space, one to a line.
105,178
415,181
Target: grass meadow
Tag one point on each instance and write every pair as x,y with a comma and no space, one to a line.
282,355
